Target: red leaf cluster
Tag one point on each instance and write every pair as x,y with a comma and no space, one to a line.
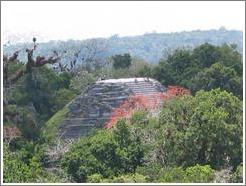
11,132
177,91
149,102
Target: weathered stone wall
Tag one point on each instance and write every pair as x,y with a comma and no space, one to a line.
93,108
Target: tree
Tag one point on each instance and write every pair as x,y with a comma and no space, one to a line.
20,166
221,76
81,80
206,67
89,55
61,98
31,63
206,54
27,123
179,60
121,61
34,98
6,61
145,71
205,129
16,73
130,149
80,163
109,153
164,73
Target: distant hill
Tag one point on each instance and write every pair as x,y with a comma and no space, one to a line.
150,47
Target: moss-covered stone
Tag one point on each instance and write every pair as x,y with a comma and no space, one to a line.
50,131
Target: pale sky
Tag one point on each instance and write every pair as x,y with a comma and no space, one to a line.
81,20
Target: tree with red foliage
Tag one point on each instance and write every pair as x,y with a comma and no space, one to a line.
10,133
150,102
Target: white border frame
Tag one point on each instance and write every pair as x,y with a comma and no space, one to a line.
1,164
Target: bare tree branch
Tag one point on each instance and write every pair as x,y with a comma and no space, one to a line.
6,62
40,61
13,57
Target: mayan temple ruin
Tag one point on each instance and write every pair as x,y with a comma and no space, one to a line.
99,103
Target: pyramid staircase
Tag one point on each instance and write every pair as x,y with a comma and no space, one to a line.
92,109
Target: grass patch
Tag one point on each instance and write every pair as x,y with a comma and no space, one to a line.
50,130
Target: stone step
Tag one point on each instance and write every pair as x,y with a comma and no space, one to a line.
104,90
81,120
111,93
144,90
82,123
78,130
146,87
140,83
115,98
139,86
75,133
142,86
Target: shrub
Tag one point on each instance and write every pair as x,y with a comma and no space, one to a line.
237,176
175,175
152,171
128,178
199,174
20,166
139,118
95,178
109,153
195,174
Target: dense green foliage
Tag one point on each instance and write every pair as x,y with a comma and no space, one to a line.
204,129
29,104
108,153
206,67
196,174
23,165
126,178
121,61
24,161
35,98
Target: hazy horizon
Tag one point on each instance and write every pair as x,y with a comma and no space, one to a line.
29,38
85,20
